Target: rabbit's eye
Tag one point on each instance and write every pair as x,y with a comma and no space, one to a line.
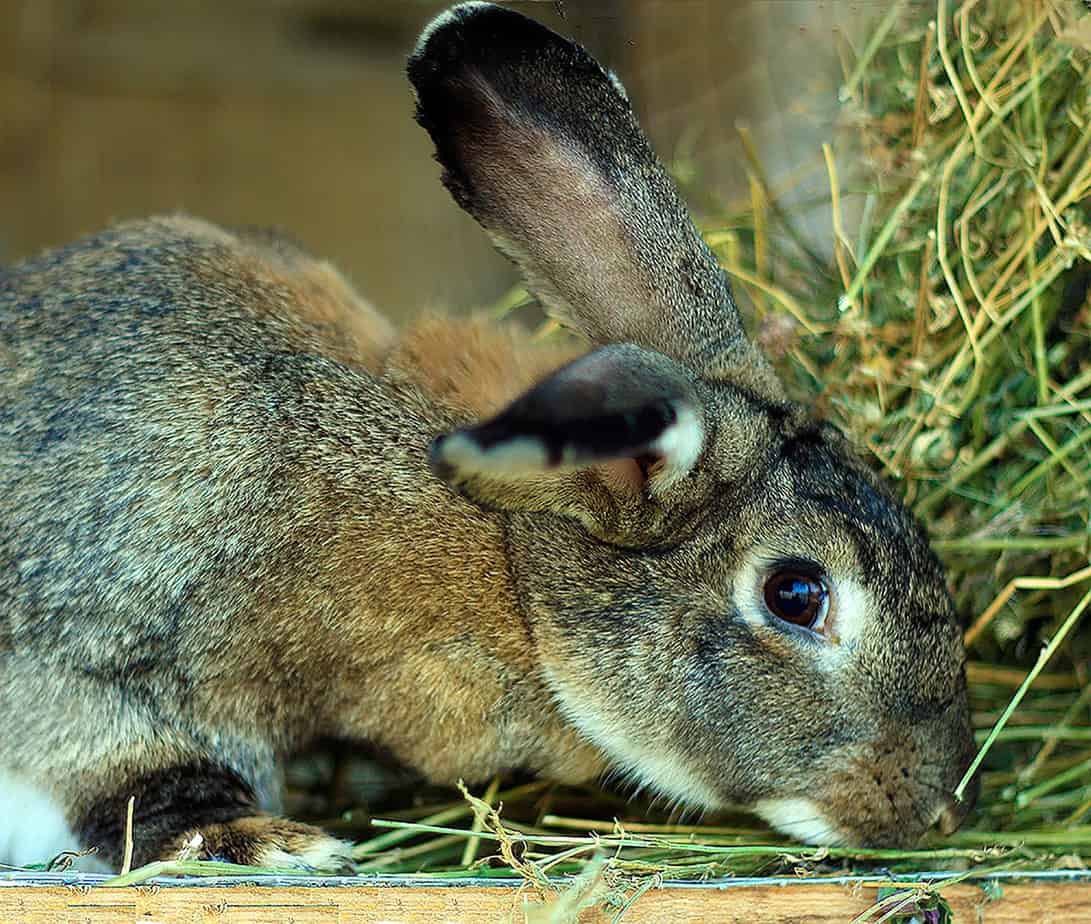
799,598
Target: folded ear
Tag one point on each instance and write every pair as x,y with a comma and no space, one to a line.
614,428
539,143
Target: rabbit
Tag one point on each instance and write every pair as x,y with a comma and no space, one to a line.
240,511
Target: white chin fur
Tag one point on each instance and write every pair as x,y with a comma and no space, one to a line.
801,819
33,828
651,766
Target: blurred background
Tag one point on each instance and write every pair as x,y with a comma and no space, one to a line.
297,114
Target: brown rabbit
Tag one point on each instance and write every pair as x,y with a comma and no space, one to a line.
227,525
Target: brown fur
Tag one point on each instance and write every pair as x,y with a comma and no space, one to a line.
299,289
221,534
164,800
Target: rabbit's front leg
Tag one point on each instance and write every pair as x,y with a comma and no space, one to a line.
204,811
265,840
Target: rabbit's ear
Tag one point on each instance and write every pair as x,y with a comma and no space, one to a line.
539,143
620,421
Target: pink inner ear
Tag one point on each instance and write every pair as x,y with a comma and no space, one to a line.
623,476
629,474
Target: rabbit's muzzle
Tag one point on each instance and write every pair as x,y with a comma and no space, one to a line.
887,788
894,792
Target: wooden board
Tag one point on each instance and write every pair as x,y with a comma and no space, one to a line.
1041,902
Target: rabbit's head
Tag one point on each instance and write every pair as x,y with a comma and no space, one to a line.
723,598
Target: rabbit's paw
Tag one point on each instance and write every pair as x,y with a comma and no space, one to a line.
265,840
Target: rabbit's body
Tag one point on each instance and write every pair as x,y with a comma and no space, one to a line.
248,537
222,533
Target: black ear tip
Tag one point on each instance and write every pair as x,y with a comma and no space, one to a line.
467,43
444,48
494,40
440,41
461,32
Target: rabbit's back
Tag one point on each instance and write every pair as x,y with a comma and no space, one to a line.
171,274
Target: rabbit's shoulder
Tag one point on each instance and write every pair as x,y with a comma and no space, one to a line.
318,298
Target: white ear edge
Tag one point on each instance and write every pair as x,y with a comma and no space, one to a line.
679,446
618,85
519,455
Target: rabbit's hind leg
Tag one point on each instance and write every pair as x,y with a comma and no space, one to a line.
204,811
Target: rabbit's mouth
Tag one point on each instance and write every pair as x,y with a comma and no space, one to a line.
809,823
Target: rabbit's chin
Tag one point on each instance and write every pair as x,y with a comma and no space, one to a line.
801,819
645,767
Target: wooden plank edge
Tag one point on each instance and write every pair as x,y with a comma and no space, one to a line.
1004,903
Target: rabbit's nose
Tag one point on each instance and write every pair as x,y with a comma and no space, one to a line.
952,811
951,815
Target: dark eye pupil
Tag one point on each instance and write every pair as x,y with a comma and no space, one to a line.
795,598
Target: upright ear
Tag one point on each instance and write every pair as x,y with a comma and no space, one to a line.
594,440
539,143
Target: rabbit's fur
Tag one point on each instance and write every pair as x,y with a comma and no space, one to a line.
222,533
